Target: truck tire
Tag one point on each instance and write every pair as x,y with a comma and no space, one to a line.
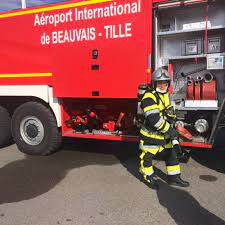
5,127
34,129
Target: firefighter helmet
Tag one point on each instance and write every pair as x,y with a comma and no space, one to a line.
160,75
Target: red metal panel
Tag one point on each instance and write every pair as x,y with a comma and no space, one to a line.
170,70
123,55
134,139
103,137
197,145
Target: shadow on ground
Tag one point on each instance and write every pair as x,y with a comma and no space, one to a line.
35,175
212,158
30,177
183,207
180,204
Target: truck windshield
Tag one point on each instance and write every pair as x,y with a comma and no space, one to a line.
8,5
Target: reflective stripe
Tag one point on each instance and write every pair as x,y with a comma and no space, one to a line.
149,146
155,136
170,106
170,111
173,170
172,115
26,75
144,129
149,95
152,111
168,145
159,123
173,173
164,101
165,98
161,105
151,107
153,149
166,128
142,161
162,124
145,177
51,8
161,148
147,171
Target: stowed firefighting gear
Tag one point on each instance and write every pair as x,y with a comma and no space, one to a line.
157,134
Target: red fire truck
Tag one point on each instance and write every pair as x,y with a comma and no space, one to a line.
74,69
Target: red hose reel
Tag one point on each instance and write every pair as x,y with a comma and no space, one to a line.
190,90
204,89
209,90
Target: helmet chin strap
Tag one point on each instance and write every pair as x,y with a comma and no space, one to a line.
160,91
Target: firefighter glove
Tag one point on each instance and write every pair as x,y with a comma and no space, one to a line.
177,149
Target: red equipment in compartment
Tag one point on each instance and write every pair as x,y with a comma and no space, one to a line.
209,90
202,88
190,89
80,120
197,90
110,126
184,132
118,122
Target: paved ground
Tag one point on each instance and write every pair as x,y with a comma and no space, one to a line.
96,183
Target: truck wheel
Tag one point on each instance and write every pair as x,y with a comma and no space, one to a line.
35,130
5,127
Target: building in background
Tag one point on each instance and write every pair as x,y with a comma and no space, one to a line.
15,4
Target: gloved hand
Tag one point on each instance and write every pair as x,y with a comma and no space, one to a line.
177,149
170,112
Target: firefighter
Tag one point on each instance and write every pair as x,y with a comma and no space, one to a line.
157,134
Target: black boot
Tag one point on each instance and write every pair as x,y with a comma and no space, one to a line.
175,180
151,182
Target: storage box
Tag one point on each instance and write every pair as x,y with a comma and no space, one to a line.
192,47
215,45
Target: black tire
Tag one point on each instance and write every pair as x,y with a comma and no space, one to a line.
34,129
5,127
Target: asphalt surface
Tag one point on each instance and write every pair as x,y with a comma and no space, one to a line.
97,183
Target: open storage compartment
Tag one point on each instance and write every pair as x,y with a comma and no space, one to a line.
190,43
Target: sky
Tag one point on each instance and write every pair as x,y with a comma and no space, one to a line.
6,5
